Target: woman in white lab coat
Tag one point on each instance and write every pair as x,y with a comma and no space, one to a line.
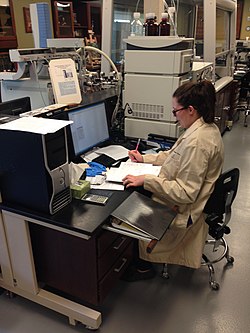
186,180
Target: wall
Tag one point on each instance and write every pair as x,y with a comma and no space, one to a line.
24,40
245,23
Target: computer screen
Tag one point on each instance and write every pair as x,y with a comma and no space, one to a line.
89,128
15,107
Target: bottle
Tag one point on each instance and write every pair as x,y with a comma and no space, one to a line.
136,26
145,25
151,29
164,25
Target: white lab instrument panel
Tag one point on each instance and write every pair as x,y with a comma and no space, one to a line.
154,69
158,62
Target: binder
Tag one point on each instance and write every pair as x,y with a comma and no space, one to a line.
143,216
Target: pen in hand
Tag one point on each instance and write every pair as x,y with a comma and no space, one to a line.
137,145
134,155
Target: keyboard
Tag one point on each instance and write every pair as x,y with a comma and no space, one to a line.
37,112
105,160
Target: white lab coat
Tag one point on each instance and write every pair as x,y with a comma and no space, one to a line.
186,180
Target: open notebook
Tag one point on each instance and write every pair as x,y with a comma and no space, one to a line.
141,215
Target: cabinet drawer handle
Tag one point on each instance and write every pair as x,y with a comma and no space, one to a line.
124,260
116,247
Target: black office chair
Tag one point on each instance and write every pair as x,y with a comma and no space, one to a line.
218,210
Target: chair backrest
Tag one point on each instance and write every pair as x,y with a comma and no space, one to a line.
225,188
245,84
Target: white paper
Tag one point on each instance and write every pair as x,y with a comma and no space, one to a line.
75,171
108,186
115,151
128,168
96,180
88,157
150,151
36,125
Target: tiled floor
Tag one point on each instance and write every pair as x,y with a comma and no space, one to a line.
185,303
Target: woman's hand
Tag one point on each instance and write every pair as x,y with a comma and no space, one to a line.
135,156
130,180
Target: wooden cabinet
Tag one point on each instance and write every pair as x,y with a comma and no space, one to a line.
94,20
63,19
88,17
235,94
200,22
222,110
223,107
240,5
83,269
7,27
8,38
76,18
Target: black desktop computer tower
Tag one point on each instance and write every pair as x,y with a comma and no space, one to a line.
34,170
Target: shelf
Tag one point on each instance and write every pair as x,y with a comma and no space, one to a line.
6,27
63,11
80,27
64,26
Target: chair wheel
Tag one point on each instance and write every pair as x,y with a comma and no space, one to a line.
230,260
10,294
90,328
214,285
165,276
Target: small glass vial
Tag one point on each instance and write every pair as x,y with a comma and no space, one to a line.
136,28
164,25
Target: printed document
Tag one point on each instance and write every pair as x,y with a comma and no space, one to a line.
130,168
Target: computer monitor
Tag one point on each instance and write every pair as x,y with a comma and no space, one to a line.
15,107
89,128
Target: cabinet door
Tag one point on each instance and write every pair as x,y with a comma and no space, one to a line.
234,99
7,27
63,19
94,17
223,106
227,104
219,109
65,262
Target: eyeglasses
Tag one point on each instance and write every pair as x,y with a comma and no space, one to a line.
175,111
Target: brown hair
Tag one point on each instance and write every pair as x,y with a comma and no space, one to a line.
201,96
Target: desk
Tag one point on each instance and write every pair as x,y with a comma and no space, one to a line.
51,260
